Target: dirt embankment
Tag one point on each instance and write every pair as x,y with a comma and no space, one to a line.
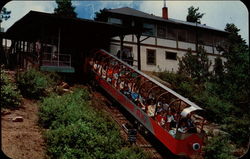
22,139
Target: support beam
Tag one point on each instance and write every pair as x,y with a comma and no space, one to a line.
138,36
58,45
121,48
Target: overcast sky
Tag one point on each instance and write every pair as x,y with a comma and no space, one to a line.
217,13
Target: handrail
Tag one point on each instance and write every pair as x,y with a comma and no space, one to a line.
61,60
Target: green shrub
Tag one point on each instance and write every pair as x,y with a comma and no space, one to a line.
218,147
33,83
82,139
79,131
61,110
131,153
10,96
238,128
217,109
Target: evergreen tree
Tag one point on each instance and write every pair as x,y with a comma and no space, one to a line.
218,70
196,65
101,15
65,8
193,15
5,14
236,81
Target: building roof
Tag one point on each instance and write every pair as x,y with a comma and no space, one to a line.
34,23
136,13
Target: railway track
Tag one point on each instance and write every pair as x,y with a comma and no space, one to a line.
119,117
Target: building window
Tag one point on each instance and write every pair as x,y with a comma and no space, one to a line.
171,55
171,33
115,20
151,57
150,29
161,31
191,36
182,35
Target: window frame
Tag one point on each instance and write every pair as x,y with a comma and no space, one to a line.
169,52
115,20
149,51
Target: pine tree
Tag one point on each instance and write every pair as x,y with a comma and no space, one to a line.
237,73
5,14
65,8
101,15
196,65
218,72
193,15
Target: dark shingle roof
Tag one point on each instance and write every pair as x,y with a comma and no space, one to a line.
136,13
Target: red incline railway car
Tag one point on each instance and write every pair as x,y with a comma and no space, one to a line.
170,117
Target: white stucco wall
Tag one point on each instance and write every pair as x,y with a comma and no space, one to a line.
163,45
166,42
185,45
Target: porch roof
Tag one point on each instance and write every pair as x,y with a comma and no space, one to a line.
34,24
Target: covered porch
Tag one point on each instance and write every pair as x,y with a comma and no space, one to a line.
60,44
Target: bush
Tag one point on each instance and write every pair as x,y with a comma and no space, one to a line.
83,140
62,110
10,96
33,83
77,130
217,109
239,128
181,84
131,153
218,147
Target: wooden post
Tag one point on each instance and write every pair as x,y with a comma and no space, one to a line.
58,45
138,36
121,47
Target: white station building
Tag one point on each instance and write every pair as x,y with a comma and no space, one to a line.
165,39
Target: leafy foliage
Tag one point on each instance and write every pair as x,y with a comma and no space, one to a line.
194,15
225,93
238,127
196,65
62,110
5,14
131,153
33,83
218,70
101,15
218,148
180,83
217,109
65,9
79,131
10,96
237,68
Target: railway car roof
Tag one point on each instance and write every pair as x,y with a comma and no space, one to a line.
192,107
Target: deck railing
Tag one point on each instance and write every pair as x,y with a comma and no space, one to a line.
49,59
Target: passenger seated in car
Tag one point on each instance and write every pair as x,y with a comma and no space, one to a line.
161,118
159,108
182,128
151,108
125,90
142,105
190,125
170,120
109,74
104,72
115,76
134,96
